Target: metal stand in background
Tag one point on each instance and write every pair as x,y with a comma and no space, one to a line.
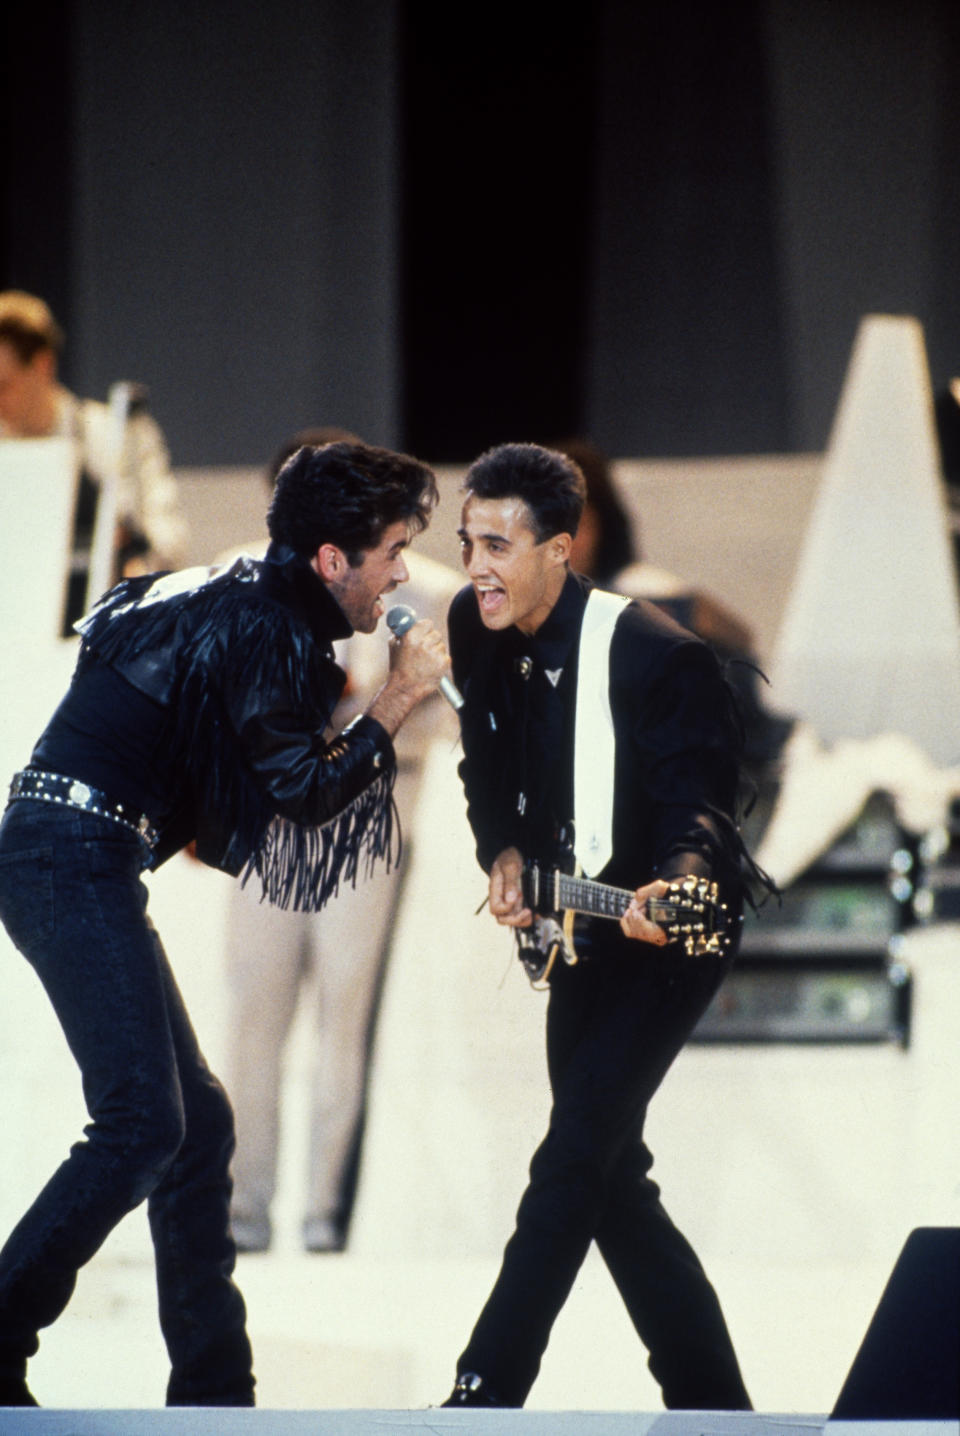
100,573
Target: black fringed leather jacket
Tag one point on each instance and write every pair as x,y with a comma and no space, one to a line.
241,663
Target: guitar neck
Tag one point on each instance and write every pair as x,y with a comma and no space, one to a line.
586,896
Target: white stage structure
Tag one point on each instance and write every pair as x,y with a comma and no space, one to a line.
38,483
870,640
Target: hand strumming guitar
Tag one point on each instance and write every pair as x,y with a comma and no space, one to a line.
506,890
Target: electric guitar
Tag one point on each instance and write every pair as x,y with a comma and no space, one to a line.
690,911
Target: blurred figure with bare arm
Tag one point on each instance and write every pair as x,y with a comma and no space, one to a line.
151,532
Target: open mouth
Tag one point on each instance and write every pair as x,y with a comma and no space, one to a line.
490,598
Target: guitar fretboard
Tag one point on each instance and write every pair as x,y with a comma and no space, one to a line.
584,895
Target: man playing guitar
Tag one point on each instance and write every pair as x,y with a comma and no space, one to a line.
598,723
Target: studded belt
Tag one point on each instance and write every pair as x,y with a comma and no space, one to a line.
71,793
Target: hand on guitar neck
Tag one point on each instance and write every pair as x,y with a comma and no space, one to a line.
637,921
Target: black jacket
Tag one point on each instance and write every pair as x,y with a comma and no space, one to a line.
242,661
676,731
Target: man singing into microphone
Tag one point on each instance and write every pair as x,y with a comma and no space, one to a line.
197,711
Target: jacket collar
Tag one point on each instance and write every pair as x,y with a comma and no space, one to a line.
290,579
560,630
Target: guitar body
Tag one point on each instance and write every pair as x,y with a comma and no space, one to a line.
550,936
690,911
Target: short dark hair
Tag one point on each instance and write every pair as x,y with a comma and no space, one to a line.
549,483
347,494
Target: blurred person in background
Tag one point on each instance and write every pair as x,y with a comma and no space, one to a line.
279,961
151,531
607,549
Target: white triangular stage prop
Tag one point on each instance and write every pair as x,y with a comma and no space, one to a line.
870,641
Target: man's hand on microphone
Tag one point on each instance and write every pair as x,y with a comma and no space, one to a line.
418,660
419,656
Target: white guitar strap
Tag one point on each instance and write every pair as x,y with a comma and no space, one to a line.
594,741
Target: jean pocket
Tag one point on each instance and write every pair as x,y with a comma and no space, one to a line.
26,896
113,853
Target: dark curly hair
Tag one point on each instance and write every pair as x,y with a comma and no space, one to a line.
549,483
347,494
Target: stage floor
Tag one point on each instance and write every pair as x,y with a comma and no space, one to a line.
195,1422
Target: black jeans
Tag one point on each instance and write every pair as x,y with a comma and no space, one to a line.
614,1025
161,1126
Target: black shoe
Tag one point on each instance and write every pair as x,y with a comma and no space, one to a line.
471,1390
14,1391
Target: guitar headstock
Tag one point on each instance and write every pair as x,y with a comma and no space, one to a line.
690,911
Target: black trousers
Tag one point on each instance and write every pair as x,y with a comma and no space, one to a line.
614,1025
160,1127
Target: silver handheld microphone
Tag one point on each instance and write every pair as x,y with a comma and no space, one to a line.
399,619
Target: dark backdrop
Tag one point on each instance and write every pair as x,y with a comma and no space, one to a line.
444,226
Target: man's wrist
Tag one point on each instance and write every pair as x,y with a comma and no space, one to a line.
369,728
395,702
